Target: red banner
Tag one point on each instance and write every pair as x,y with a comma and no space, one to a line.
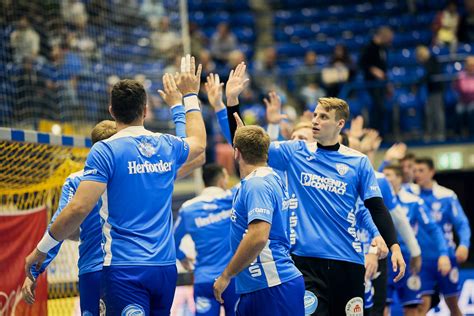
20,232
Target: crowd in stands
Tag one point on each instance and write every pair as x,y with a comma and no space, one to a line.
404,66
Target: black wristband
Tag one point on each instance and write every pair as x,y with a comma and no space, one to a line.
231,119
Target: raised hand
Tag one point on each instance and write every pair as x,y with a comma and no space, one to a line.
371,141
189,79
396,152
171,93
214,89
237,82
273,110
357,127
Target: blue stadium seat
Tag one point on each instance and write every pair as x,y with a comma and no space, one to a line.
243,19
244,34
289,50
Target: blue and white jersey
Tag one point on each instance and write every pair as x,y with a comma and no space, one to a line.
207,219
139,168
365,227
262,196
327,185
90,238
427,232
447,212
388,194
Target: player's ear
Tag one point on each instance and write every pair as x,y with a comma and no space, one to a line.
111,112
236,154
145,111
341,123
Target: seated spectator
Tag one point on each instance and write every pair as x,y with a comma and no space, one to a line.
434,107
208,65
341,70
198,39
165,42
223,42
268,73
25,41
465,108
466,24
74,13
236,57
445,26
152,10
308,81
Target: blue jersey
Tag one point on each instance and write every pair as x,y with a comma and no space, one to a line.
262,196
365,227
428,234
388,195
139,168
207,219
447,212
90,252
327,185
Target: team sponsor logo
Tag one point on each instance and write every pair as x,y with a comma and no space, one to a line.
259,211
102,308
310,302
147,167
355,307
233,215
342,168
133,310
323,183
293,202
414,283
146,148
91,171
87,313
203,304
212,218
454,275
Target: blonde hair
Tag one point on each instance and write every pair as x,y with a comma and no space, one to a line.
301,125
341,107
103,130
253,142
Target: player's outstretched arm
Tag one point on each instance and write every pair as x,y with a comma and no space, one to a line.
249,248
189,81
214,92
237,82
71,217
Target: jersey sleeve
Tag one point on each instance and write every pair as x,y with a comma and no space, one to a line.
388,195
67,193
460,222
279,154
180,149
179,119
434,231
179,231
224,124
99,164
259,201
367,186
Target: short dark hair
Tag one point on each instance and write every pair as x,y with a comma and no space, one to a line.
409,156
211,174
426,161
253,143
128,100
395,168
344,139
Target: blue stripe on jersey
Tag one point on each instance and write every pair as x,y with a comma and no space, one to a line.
139,168
263,196
327,185
207,219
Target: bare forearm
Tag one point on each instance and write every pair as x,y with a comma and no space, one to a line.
195,128
189,167
246,253
67,222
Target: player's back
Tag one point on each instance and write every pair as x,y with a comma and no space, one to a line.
263,195
207,219
139,168
327,184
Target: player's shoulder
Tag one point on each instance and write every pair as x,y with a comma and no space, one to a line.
379,175
260,177
349,152
441,192
132,132
407,197
288,144
74,178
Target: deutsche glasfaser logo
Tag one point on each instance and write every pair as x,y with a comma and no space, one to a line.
342,168
146,148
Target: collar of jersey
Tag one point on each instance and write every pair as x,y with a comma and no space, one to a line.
253,173
132,131
212,192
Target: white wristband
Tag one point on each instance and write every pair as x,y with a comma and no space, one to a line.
373,250
47,243
273,131
191,103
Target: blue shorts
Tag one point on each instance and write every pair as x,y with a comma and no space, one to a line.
138,290
286,299
207,305
408,289
89,292
431,279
